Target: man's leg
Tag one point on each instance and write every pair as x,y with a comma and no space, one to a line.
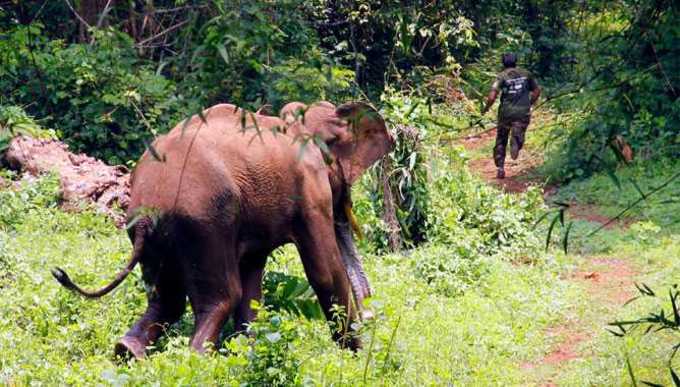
502,132
519,128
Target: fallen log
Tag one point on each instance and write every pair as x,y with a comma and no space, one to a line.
83,179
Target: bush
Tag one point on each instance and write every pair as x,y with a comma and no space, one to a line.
476,223
259,53
450,270
270,353
14,122
19,202
291,294
494,222
403,171
102,98
628,91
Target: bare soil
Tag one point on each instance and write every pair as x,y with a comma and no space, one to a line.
607,281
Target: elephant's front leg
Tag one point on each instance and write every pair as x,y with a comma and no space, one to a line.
321,259
252,269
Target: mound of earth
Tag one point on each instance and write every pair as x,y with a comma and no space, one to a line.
83,179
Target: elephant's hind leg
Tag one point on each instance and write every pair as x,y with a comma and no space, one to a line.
214,287
252,268
166,304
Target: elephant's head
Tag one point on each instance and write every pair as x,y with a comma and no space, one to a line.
357,137
354,132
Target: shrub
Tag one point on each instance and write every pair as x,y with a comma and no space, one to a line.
270,352
628,91
450,270
14,122
476,223
102,98
403,171
496,222
262,53
291,294
296,80
17,203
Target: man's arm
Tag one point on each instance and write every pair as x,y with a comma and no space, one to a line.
535,89
535,93
490,99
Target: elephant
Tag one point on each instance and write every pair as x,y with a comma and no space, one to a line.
215,196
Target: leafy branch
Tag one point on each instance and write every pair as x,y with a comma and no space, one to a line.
655,322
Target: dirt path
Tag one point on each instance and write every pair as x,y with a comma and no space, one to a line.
519,173
607,284
606,281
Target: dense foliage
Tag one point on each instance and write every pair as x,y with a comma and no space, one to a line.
626,88
117,74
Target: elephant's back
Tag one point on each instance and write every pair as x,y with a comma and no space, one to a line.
204,160
180,175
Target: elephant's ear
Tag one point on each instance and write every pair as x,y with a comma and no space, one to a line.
364,140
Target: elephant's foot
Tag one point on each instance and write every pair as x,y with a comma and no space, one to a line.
353,343
129,346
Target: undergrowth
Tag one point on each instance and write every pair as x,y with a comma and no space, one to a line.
455,302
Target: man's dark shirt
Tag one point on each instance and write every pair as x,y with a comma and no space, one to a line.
515,85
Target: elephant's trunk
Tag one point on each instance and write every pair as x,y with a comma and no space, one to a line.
352,261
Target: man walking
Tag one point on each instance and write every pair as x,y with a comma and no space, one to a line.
519,91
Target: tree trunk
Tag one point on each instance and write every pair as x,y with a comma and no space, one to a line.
389,208
90,11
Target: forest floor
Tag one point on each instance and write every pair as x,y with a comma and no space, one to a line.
606,281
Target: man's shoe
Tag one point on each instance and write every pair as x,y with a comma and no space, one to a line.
500,174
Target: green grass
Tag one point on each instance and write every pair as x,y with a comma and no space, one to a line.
479,335
649,245
661,209
602,357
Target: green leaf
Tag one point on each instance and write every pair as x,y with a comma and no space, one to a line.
543,216
637,187
550,230
630,372
617,334
223,53
303,145
565,240
674,304
674,376
413,108
289,288
185,123
154,153
202,116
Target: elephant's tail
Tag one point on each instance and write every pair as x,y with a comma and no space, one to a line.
141,231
